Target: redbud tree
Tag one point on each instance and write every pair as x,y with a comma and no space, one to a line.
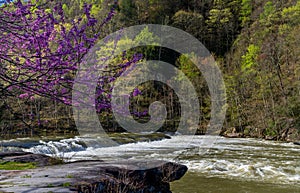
40,51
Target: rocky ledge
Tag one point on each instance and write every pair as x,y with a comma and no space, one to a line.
89,176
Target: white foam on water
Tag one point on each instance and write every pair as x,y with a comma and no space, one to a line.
57,147
254,159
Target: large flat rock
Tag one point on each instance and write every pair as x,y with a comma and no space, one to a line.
94,176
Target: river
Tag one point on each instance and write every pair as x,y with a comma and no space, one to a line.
216,164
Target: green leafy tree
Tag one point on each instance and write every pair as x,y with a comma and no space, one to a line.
129,10
249,60
190,22
246,11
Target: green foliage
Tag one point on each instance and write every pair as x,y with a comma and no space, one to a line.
291,15
190,22
246,11
270,131
249,60
219,16
144,37
188,68
65,8
294,107
69,176
66,184
50,185
263,74
186,65
26,176
16,166
96,8
268,13
128,10
268,9
147,37
222,26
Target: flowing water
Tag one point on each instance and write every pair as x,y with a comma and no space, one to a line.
216,164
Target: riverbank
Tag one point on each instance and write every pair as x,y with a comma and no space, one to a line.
88,176
289,134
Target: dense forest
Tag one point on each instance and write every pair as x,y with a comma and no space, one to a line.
255,43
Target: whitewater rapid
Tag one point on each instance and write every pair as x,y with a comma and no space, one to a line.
211,156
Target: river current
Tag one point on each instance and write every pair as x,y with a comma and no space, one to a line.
216,164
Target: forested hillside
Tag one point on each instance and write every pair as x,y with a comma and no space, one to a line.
262,71
256,45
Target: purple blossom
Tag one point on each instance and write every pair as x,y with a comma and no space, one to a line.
136,92
24,95
42,57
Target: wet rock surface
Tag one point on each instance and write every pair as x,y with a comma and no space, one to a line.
26,157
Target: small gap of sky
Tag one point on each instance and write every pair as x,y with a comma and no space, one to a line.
3,1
